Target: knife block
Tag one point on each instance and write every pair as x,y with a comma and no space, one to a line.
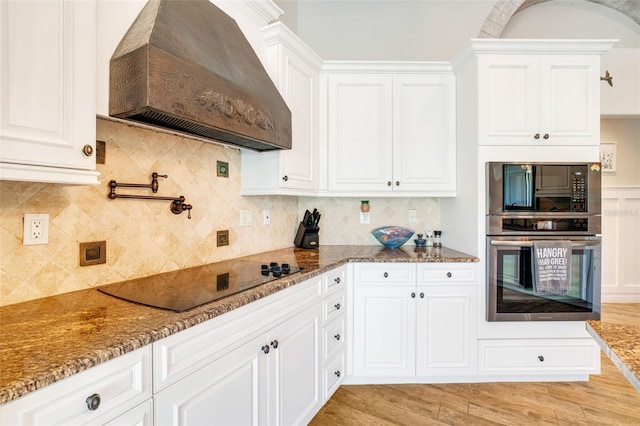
307,238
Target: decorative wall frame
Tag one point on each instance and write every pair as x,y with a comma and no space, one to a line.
608,156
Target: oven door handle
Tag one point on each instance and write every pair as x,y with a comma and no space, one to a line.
574,243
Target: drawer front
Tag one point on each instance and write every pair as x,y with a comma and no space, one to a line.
121,384
333,376
443,273
333,339
532,356
183,353
335,280
334,307
384,273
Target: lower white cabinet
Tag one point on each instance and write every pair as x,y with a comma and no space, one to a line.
405,326
272,379
116,392
334,330
536,356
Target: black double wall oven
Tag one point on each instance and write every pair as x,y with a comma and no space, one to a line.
543,224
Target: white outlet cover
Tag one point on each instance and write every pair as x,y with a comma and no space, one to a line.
266,217
365,217
35,229
413,216
246,218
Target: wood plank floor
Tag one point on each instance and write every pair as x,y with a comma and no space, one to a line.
606,399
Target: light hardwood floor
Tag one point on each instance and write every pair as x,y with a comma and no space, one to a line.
606,399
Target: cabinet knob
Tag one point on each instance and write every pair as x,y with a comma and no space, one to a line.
274,344
337,306
389,183
421,295
413,295
546,136
397,183
337,337
337,280
540,358
448,274
536,136
93,402
285,178
337,373
87,150
265,349
386,275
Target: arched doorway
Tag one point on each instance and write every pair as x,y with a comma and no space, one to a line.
503,10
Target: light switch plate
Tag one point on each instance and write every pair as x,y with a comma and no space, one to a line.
246,218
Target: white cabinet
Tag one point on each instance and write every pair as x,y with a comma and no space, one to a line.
406,326
119,389
390,129
333,330
259,364
540,93
295,70
47,75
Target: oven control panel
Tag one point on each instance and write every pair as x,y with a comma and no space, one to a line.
578,191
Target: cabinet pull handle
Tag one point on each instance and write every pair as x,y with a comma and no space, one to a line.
540,358
337,306
337,337
337,280
421,295
87,150
536,136
337,373
546,136
386,275
448,274
285,178
265,349
397,183
413,295
274,344
93,402
388,183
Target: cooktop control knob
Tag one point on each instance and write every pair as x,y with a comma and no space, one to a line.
286,268
264,270
276,271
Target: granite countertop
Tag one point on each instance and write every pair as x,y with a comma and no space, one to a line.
46,340
621,342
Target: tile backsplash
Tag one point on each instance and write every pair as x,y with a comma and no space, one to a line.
143,237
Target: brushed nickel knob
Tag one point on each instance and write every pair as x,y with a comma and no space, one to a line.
337,280
265,349
546,136
397,183
87,150
388,183
93,402
536,136
448,274
337,337
337,373
285,178
386,275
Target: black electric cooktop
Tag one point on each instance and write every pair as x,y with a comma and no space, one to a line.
188,288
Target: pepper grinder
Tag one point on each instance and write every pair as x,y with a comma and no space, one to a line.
437,239
429,238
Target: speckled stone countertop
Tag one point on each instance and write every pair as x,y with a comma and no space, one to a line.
46,340
621,342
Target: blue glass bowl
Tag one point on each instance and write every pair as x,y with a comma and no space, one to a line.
392,236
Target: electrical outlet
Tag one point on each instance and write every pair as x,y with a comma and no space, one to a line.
35,229
365,218
246,218
266,217
413,216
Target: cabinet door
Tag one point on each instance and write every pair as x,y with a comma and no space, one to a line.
299,83
508,99
230,391
570,99
384,326
424,141
444,334
47,75
359,132
294,394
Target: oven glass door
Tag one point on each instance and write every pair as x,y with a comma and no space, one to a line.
510,282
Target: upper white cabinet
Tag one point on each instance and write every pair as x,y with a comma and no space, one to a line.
47,76
295,69
390,129
623,98
538,92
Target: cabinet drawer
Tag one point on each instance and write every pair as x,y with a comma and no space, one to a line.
333,376
385,273
527,356
334,307
333,339
121,384
178,355
335,280
446,272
